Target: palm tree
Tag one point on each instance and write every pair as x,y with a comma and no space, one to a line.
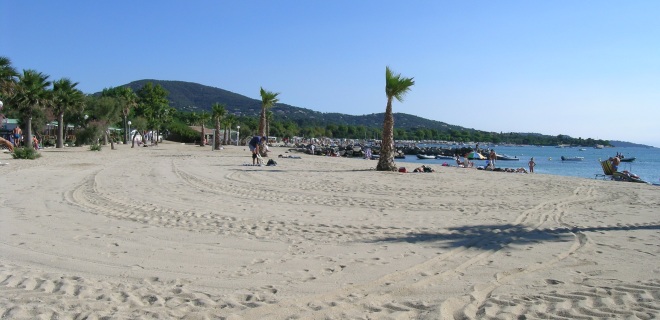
7,82
66,97
7,77
229,122
395,87
30,97
268,99
219,111
204,117
129,100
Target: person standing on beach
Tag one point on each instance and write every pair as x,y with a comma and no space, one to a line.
492,156
532,164
17,134
254,145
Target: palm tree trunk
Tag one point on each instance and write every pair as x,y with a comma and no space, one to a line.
126,133
386,160
262,122
27,138
60,130
105,137
216,135
201,141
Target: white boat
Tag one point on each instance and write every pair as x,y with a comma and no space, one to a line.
425,156
571,158
443,157
507,157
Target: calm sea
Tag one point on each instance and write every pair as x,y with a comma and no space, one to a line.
548,160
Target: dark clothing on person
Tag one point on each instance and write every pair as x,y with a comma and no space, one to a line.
255,141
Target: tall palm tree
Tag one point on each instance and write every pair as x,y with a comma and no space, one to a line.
395,87
268,99
65,97
31,97
204,117
219,111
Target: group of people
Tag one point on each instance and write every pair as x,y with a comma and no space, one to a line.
464,162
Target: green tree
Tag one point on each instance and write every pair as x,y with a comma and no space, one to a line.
154,106
104,112
219,111
128,100
395,87
31,97
268,99
65,98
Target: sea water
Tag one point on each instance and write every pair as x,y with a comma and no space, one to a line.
548,160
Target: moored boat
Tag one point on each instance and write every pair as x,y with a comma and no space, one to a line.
571,158
443,157
425,156
507,157
631,159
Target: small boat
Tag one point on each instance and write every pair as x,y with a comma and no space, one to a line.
443,157
507,157
571,158
425,156
399,156
631,159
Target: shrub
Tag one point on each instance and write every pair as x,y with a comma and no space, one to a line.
95,147
89,135
25,153
180,132
49,142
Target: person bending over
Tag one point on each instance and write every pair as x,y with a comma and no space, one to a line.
255,144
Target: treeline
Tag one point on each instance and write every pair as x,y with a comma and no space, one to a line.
288,129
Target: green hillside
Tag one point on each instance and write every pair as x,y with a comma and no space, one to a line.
188,96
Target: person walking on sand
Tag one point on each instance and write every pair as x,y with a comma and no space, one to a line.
532,164
254,145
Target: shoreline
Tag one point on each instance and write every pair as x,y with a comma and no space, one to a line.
182,231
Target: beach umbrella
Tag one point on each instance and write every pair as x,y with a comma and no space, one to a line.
476,155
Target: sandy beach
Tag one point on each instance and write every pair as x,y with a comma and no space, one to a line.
182,232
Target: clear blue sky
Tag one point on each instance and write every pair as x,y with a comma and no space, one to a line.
581,68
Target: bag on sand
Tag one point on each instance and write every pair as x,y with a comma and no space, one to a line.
403,170
271,162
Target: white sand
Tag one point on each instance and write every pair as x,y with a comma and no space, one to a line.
180,231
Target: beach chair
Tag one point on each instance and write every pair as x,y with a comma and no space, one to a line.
608,170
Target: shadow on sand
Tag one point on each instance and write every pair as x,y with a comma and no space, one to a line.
495,237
